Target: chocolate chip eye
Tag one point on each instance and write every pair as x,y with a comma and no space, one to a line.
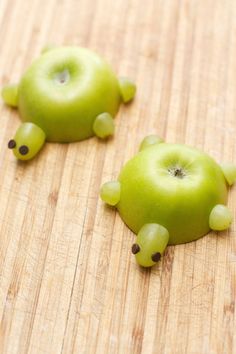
23,149
135,248
11,144
156,257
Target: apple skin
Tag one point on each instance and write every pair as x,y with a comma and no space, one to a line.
152,193
64,90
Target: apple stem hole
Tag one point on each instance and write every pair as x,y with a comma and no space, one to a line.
177,172
62,77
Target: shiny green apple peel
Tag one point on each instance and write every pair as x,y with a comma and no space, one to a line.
71,94
176,187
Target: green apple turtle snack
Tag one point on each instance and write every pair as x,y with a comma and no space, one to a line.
170,194
68,94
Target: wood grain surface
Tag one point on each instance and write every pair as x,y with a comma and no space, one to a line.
68,281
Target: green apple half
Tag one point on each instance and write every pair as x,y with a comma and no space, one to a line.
70,93
175,186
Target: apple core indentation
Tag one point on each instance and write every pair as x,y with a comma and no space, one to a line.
62,77
68,94
177,172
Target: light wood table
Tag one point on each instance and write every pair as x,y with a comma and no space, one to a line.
68,281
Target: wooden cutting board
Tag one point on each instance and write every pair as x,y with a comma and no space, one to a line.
68,281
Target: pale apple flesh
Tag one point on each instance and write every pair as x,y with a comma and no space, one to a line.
175,186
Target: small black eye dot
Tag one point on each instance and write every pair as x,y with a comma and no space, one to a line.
156,257
11,144
135,248
23,149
